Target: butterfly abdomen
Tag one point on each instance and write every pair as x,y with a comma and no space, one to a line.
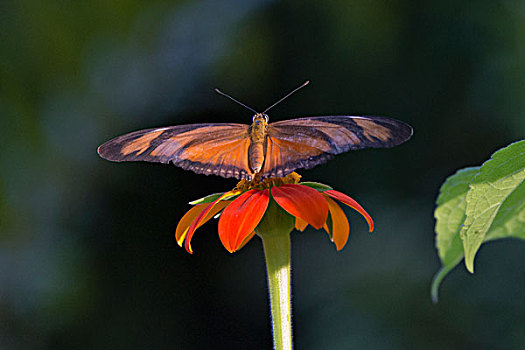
257,148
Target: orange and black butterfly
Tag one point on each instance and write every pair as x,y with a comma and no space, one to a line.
258,150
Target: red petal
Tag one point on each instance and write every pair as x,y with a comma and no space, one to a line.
246,240
241,217
352,204
303,202
340,226
205,215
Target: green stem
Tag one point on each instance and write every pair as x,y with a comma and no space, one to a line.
277,253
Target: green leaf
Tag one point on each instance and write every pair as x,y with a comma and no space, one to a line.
317,186
438,277
510,220
450,215
497,179
503,185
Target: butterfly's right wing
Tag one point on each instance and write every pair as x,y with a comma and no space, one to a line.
306,142
219,149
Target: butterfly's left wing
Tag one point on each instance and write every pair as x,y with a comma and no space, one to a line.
219,149
307,142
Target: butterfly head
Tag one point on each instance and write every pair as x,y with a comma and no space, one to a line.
260,122
260,118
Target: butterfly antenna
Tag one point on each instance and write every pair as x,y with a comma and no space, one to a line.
288,95
234,100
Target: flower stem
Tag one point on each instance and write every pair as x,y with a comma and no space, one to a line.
277,254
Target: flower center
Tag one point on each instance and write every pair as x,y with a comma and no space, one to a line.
245,185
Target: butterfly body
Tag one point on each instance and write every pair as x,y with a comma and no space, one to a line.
258,134
258,150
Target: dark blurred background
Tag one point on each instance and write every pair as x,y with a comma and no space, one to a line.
88,258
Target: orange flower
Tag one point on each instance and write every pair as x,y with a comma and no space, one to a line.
242,209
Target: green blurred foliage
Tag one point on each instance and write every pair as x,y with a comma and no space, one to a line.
87,253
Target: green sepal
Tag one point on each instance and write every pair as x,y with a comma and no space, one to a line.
317,186
276,221
330,225
213,198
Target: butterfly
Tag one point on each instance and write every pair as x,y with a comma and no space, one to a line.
259,150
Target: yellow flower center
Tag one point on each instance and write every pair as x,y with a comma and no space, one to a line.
245,185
